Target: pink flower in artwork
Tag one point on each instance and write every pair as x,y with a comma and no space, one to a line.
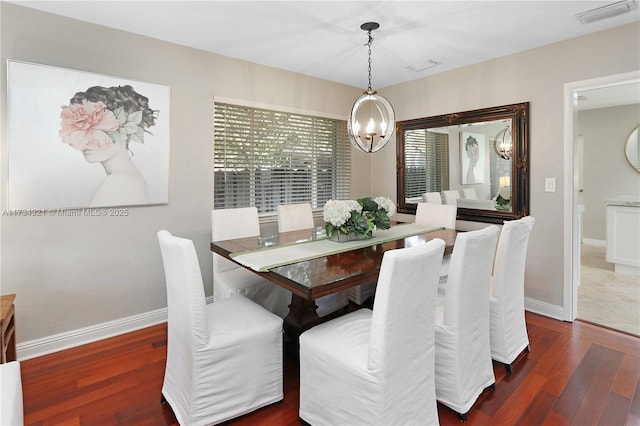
84,125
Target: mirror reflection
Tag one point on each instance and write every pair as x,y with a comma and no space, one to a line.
468,165
476,160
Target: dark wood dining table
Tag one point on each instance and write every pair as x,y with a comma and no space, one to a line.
310,279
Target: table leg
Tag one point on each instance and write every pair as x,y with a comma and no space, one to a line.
302,316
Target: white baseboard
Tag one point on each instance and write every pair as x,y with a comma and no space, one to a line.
82,336
592,242
542,308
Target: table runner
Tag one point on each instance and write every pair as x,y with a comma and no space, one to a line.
263,259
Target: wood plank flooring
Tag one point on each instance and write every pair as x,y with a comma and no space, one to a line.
575,374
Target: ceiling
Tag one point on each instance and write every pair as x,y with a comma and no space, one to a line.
324,39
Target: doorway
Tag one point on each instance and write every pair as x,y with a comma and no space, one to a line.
593,257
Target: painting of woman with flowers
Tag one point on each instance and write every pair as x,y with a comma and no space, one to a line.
92,141
101,123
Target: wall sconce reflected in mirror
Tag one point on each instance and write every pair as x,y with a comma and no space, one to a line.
503,143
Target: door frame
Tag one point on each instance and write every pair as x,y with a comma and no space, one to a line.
571,246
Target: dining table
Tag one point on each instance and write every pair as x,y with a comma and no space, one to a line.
310,265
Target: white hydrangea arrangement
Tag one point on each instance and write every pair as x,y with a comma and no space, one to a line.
504,196
359,216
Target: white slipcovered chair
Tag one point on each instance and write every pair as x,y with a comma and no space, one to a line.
469,194
438,215
508,327
229,278
432,197
451,197
293,217
11,404
377,367
429,214
223,359
463,354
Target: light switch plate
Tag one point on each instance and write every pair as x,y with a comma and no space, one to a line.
550,184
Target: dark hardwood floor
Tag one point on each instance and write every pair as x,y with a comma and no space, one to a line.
575,374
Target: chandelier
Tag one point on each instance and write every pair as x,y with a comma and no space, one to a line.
502,143
372,119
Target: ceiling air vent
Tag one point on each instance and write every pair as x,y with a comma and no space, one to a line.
421,66
605,12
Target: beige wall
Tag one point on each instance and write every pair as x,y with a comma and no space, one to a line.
71,273
537,76
75,272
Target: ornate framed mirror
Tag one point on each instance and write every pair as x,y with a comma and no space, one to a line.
477,160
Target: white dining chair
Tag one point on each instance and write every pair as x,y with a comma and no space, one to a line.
377,367
293,217
429,214
229,278
11,398
438,215
463,354
451,197
469,194
432,197
508,328
223,359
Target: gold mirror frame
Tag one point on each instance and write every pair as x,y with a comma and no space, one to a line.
519,116
630,150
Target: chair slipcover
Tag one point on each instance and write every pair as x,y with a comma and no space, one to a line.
451,197
292,217
463,355
438,215
11,405
223,359
377,367
432,197
469,194
508,328
229,278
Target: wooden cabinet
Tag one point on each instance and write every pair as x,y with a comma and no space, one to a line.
7,328
623,228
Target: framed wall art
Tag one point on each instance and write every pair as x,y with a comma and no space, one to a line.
78,139
472,154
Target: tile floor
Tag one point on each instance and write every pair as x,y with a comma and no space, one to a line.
605,297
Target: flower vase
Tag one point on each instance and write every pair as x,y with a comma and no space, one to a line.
340,237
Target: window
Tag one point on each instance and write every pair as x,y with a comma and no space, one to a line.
426,162
265,158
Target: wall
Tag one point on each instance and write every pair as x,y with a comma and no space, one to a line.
538,76
75,272
607,173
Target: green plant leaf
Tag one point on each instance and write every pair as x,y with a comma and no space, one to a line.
359,223
368,205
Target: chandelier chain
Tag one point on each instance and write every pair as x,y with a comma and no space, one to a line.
369,45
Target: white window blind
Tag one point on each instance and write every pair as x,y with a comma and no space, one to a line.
426,162
264,158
